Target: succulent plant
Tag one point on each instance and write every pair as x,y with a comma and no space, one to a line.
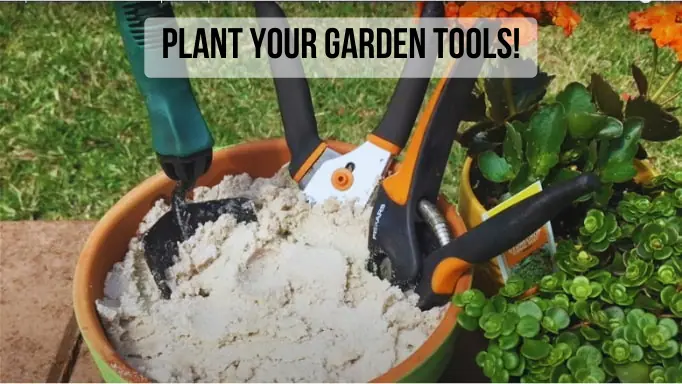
677,198
599,230
670,180
672,299
499,364
656,240
515,286
617,293
663,205
668,274
581,288
603,316
553,282
634,208
637,271
621,352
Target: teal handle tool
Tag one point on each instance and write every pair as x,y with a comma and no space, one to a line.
180,134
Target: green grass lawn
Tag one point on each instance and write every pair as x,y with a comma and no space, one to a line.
73,126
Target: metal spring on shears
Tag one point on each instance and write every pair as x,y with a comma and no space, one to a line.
436,221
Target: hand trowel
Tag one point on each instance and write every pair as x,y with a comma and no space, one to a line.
180,137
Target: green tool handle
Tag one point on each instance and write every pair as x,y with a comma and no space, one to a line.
178,128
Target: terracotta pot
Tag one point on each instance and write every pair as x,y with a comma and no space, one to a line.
108,244
472,210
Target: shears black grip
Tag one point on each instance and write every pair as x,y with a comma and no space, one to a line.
498,234
293,96
403,109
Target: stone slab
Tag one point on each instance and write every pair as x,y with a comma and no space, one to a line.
37,260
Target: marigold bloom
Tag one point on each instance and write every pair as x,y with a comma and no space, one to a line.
546,13
645,20
666,34
663,23
566,18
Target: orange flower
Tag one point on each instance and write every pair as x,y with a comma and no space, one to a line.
546,13
566,18
645,20
666,34
451,9
483,10
663,23
532,9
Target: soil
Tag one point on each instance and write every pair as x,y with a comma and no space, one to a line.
285,298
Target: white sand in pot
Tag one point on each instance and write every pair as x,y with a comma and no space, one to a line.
286,298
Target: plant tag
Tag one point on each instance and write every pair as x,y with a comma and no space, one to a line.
542,239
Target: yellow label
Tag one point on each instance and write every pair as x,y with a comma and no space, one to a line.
541,238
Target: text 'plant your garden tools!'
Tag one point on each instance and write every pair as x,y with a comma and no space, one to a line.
337,47
365,43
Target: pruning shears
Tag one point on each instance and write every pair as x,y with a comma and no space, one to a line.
320,171
406,201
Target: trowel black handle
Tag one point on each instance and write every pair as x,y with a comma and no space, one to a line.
509,227
293,93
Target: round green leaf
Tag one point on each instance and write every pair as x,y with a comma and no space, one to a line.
510,341
633,372
559,316
467,322
529,308
535,349
528,326
473,310
570,339
510,359
636,353
670,324
591,354
590,334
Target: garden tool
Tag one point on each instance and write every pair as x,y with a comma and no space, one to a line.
406,200
180,138
321,172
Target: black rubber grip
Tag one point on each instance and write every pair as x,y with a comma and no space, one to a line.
408,95
511,226
293,94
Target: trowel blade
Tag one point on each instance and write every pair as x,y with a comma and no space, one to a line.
161,240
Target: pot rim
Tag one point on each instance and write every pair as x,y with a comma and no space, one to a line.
85,309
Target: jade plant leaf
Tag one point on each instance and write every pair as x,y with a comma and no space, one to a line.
522,180
606,97
526,92
546,132
576,98
589,125
659,125
640,80
619,165
512,148
494,167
